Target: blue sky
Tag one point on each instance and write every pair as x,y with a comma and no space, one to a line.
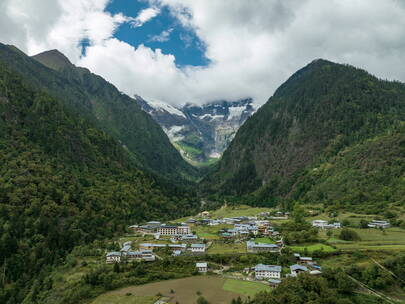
181,42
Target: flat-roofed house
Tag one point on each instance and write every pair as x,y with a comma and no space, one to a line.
113,257
167,230
197,248
379,224
267,272
134,255
319,223
188,238
181,247
251,246
148,256
202,267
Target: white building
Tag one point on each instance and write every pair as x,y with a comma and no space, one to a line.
251,246
319,223
324,224
197,248
113,257
174,230
202,267
181,247
379,224
267,272
145,255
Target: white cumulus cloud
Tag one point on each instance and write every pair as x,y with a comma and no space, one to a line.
162,37
144,16
252,46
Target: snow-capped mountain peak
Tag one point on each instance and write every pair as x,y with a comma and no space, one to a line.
200,132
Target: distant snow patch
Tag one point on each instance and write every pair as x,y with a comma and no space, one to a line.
215,155
235,112
173,133
210,116
159,105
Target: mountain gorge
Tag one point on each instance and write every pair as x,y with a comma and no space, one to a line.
95,99
200,133
331,134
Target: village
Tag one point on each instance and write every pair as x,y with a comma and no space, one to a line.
251,234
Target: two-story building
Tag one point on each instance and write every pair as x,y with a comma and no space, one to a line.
379,224
202,267
197,248
113,257
267,272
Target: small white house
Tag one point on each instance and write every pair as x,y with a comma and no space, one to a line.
319,223
267,272
324,224
197,248
113,257
379,224
202,267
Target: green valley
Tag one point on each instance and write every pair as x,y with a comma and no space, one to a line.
97,206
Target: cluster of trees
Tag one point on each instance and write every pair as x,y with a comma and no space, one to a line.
336,286
348,235
298,230
63,183
333,287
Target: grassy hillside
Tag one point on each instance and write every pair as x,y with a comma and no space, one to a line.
117,114
330,134
63,183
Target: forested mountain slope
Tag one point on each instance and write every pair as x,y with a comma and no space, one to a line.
63,182
330,134
116,113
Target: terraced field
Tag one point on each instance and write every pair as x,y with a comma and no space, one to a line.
213,288
373,239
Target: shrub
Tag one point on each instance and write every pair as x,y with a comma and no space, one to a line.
349,235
